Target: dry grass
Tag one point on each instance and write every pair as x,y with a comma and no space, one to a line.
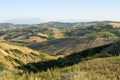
115,25
12,55
96,69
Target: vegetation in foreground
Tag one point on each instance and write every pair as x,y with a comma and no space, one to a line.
85,65
96,69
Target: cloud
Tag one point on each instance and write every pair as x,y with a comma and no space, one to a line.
75,20
1,21
25,20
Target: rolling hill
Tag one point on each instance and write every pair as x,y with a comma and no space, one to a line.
10,26
7,26
66,46
12,56
54,30
31,34
62,25
80,65
72,59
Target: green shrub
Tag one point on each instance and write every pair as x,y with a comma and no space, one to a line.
18,61
101,35
16,51
14,59
105,55
9,58
2,66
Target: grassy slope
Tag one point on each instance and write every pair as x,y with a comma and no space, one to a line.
12,56
66,61
96,69
115,25
85,65
32,34
101,35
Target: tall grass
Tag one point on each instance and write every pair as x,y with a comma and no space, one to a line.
96,69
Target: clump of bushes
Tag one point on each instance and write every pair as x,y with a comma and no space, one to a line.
100,34
14,59
2,66
16,51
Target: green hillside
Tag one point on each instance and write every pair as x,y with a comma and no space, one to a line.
60,51
53,30
31,34
101,35
96,69
81,65
12,56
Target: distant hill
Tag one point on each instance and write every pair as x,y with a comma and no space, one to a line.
66,46
55,30
95,27
115,25
61,38
60,25
31,34
7,26
10,26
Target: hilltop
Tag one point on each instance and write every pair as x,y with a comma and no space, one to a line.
60,25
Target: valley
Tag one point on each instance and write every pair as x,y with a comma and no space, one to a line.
59,40
60,51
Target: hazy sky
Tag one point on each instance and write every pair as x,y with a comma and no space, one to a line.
60,9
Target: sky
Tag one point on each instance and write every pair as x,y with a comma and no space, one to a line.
60,10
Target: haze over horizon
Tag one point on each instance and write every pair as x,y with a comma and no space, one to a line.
34,11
